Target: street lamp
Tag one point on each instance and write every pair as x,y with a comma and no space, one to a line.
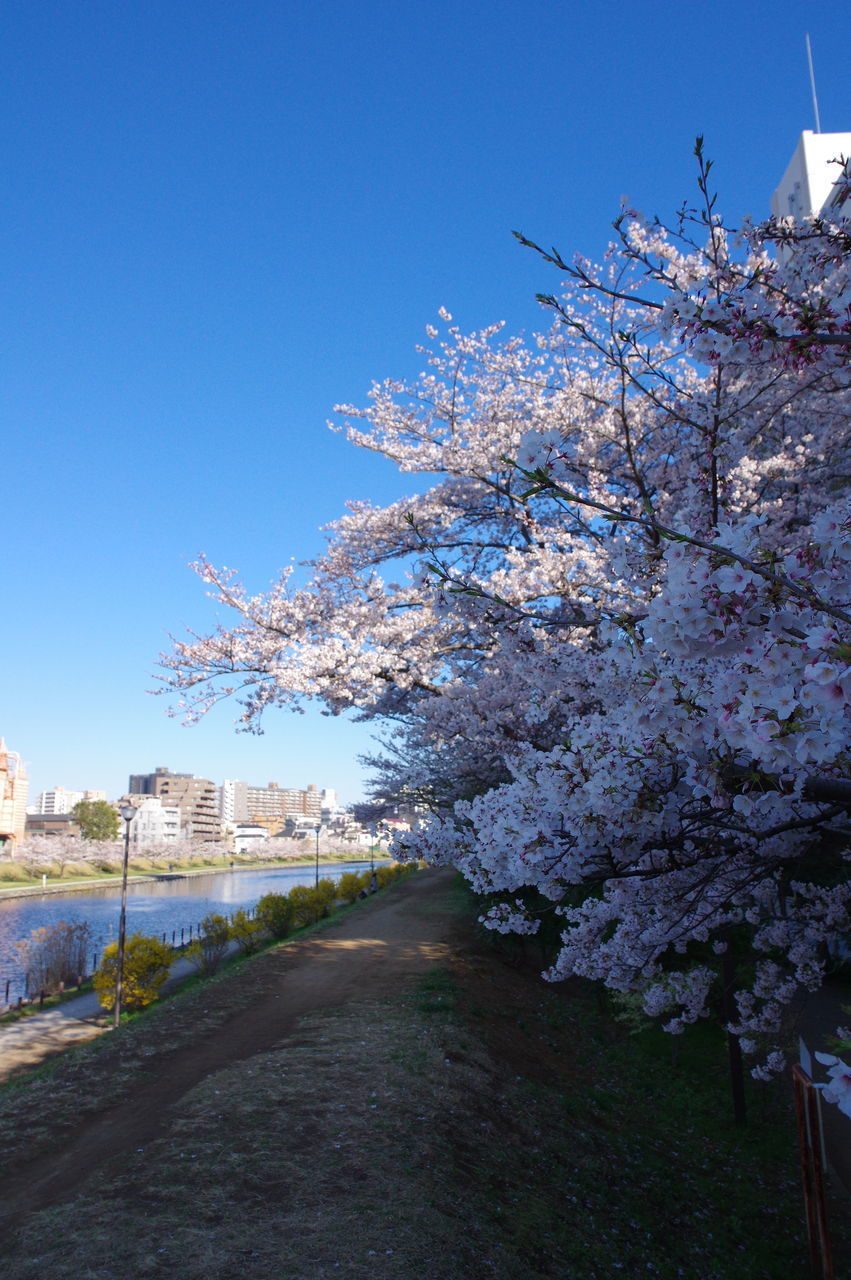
128,813
317,830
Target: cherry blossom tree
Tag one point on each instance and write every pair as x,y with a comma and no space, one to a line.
40,853
610,643
708,795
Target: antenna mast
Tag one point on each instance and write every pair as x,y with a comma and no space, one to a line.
813,83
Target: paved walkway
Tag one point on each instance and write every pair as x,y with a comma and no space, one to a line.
32,1039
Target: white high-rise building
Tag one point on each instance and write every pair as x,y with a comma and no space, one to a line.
233,800
810,182
240,802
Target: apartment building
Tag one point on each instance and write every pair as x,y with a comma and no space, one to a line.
270,805
233,800
62,800
14,787
154,821
194,797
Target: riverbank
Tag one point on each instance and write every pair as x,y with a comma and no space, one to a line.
81,884
392,1098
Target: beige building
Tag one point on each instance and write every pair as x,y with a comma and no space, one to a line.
13,799
270,823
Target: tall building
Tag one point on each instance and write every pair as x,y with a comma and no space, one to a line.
13,799
273,801
233,800
812,179
312,802
194,797
239,802
61,800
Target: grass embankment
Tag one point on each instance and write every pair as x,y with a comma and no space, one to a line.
482,1124
13,875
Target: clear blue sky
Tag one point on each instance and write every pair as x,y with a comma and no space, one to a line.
219,219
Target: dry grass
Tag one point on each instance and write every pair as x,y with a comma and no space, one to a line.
84,1081
322,1159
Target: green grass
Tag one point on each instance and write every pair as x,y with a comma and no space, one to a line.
438,993
693,1194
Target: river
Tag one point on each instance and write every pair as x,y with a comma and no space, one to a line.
155,907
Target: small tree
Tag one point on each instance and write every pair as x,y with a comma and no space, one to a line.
351,884
209,948
246,932
97,820
395,871
313,902
275,911
146,965
54,954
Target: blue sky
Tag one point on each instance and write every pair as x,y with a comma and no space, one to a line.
221,219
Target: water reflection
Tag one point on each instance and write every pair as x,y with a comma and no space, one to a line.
163,907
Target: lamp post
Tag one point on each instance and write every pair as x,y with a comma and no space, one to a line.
317,830
128,813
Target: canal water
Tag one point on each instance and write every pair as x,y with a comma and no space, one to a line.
153,908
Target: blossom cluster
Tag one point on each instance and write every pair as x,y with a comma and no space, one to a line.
505,918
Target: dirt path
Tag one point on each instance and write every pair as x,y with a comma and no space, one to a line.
364,955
